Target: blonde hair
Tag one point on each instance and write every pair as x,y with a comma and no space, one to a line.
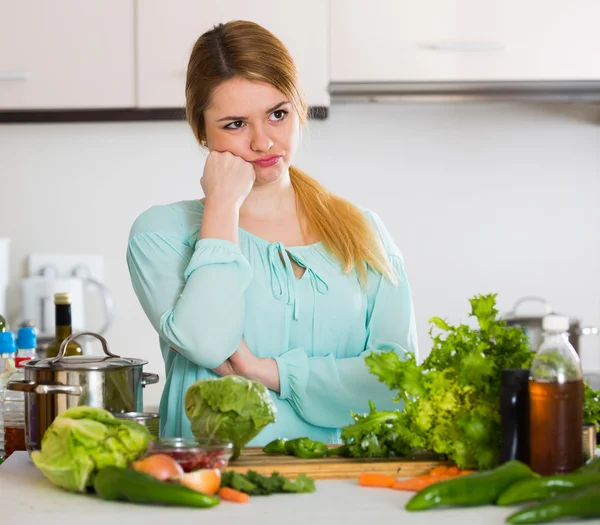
247,50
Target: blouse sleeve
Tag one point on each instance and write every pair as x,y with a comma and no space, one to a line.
324,390
168,277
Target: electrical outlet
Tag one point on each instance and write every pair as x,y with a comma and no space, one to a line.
67,263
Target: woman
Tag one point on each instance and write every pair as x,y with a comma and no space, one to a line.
269,276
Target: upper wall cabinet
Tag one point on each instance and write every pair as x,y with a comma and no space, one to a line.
66,54
464,40
166,33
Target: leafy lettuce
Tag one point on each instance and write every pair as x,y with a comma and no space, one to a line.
82,440
452,400
232,408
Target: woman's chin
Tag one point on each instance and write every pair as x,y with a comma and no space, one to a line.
268,176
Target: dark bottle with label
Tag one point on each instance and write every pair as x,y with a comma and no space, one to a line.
64,328
514,414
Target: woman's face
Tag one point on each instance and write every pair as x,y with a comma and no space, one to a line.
254,121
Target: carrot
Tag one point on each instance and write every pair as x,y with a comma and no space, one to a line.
466,472
235,496
453,471
442,470
367,479
418,483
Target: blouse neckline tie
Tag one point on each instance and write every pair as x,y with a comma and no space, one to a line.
282,273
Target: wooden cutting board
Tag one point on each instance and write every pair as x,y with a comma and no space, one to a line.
253,458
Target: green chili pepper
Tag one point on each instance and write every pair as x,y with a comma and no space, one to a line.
546,487
305,448
476,489
124,484
582,502
277,446
591,466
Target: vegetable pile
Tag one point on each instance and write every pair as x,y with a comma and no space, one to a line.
232,408
452,400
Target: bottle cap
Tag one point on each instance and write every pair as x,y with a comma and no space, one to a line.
26,338
556,323
7,343
62,298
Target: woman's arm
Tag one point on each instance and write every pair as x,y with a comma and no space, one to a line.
324,390
192,295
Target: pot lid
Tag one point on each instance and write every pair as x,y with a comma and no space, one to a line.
532,319
109,361
514,315
84,362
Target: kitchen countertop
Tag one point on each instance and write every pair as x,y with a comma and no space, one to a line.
28,497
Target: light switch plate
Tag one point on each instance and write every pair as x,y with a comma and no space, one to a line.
66,263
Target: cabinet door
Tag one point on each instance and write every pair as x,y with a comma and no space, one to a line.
529,40
464,40
66,54
390,40
165,37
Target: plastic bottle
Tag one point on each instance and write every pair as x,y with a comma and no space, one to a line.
556,402
14,402
7,368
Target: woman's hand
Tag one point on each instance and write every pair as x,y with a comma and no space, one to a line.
227,179
263,370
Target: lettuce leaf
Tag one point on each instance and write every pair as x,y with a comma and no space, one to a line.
452,400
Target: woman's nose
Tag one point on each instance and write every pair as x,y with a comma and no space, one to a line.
261,142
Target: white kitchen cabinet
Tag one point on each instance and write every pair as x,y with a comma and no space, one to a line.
66,54
166,34
464,40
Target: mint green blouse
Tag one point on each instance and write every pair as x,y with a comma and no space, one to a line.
203,296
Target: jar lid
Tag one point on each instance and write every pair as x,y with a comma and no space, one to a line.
84,362
556,323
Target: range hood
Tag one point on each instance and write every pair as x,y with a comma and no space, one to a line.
469,91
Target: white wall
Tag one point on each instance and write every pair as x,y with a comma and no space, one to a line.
480,198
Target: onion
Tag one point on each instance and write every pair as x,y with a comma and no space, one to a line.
160,466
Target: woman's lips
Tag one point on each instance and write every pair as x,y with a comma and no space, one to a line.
265,162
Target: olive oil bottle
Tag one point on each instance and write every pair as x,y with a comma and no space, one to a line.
64,328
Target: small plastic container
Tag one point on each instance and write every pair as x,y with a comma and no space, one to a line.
194,454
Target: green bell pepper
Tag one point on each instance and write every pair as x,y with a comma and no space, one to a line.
305,448
277,446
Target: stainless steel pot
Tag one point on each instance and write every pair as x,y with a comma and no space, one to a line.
532,323
51,386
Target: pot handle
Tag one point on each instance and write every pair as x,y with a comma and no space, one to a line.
35,388
72,337
530,298
149,379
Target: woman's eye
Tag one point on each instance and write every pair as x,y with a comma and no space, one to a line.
235,125
279,114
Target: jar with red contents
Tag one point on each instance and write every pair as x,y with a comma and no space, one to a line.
194,454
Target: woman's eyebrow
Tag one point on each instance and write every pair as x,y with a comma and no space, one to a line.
270,110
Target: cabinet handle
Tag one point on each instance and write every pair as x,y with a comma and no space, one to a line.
13,76
466,46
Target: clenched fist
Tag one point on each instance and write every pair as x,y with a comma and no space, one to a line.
227,178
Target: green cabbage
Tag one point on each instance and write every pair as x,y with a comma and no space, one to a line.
231,408
82,440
